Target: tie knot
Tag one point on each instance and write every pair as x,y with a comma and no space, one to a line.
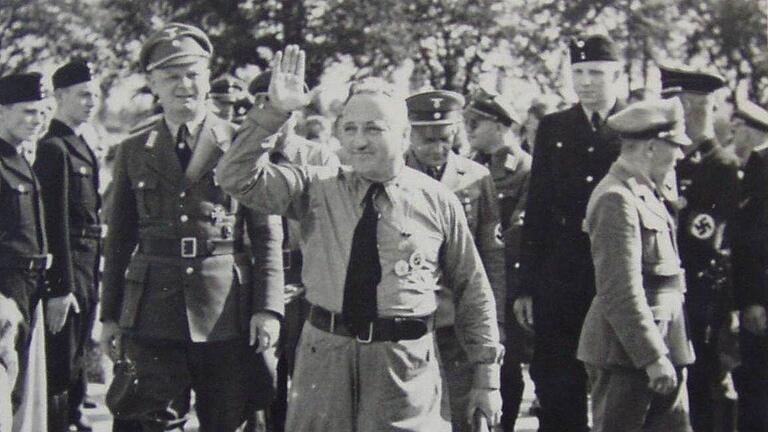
182,134
596,120
370,195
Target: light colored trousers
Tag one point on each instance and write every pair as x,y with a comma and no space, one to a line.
342,385
622,402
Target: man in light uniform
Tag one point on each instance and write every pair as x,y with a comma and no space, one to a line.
634,339
376,239
435,118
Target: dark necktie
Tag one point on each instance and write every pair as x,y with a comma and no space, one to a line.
596,121
364,269
183,151
434,173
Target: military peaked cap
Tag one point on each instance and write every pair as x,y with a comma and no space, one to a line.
685,79
435,107
492,107
175,44
648,119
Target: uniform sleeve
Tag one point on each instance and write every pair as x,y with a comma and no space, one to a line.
266,239
490,243
614,232
52,171
750,234
537,213
476,323
122,237
246,173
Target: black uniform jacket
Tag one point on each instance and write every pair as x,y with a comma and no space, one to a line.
21,227
750,228
68,172
569,159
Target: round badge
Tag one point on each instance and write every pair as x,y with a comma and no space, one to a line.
402,268
416,259
702,226
83,170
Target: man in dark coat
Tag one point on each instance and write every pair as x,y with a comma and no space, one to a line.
23,248
190,308
572,153
750,262
707,183
68,171
492,129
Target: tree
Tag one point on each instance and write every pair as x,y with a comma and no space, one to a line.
31,34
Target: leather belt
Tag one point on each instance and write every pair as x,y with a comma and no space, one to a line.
187,247
30,263
380,330
90,231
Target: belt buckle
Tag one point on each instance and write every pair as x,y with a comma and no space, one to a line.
189,247
368,339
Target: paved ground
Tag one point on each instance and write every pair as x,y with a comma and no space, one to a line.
102,420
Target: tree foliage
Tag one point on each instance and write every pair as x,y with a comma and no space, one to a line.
450,43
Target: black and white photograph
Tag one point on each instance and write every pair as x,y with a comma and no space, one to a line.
383,215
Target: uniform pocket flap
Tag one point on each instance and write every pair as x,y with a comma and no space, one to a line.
137,272
82,170
653,222
144,182
20,187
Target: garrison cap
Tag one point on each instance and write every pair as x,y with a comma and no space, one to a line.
436,107
492,107
752,114
24,87
72,73
175,44
260,84
648,119
227,88
686,79
593,48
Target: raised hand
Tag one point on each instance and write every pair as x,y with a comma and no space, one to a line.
286,88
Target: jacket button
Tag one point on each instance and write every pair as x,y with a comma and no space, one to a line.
590,179
184,218
182,195
141,184
190,270
591,149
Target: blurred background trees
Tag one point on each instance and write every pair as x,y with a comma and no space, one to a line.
453,44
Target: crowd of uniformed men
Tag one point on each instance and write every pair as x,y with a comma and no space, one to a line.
380,274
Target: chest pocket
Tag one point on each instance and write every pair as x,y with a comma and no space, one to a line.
18,200
148,200
82,183
659,254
